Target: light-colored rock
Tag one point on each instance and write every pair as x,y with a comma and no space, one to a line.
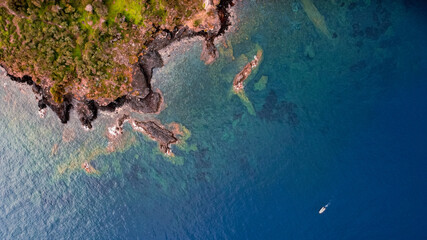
89,8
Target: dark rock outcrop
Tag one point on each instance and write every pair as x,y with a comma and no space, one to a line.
148,62
209,52
158,133
61,110
150,104
45,100
139,81
154,130
112,106
87,112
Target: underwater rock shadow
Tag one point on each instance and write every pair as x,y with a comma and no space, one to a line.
275,110
202,159
369,24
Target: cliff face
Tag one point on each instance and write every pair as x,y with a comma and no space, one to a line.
99,55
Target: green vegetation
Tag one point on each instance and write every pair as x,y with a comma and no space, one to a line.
131,9
83,47
197,22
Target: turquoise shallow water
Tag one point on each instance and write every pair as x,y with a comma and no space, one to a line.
341,120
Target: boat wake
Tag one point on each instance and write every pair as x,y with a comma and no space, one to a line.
323,209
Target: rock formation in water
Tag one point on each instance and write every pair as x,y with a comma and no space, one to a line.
239,79
158,133
151,128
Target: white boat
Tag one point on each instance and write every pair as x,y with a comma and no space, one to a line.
323,209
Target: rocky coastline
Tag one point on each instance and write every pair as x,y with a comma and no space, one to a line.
143,98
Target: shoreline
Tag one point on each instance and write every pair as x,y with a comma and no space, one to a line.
148,101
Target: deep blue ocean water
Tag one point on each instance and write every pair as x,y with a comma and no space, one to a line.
341,120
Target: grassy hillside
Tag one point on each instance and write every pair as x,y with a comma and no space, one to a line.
83,47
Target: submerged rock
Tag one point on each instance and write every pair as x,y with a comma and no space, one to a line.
275,110
261,84
316,18
309,51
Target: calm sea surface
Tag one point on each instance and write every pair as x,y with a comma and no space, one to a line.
339,116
